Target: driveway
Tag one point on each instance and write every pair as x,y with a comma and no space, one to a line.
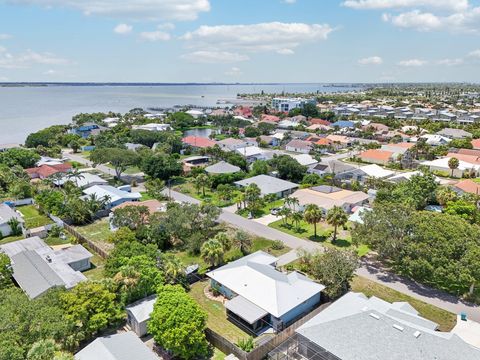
267,219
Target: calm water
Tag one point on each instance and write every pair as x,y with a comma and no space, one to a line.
27,109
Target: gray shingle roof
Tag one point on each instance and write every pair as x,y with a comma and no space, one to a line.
222,167
268,184
124,346
7,213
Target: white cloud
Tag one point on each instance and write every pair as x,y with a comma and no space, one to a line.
166,26
412,63
123,29
28,59
181,10
264,37
155,36
454,5
211,57
373,60
285,52
289,1
3,78
50,72
234,71
5,36
450,62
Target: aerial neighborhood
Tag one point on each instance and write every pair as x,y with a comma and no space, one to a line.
280,226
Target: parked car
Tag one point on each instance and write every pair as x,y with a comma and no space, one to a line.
275,211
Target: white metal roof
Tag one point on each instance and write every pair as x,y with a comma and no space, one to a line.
113,193
261,284
142,308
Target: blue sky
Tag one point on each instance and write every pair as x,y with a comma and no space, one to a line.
240,40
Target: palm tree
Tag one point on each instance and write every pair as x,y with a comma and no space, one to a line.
313,215
453,164
297,216
75,175
243,241
291,202
173,269
202,181
212,252
223,239
336,217
285,214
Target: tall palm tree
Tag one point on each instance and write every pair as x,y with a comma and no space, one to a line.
313,215
453,164
203,181
212,252
173,268
297,216
243,241
223,239
75,175
336,217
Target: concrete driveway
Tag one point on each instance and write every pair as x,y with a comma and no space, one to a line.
267,219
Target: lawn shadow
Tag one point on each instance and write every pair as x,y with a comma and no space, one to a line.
341,243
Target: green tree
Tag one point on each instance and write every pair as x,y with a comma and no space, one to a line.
335,269
155,188
91,306
259,167
212,252
313,215
161,166
253,198
130,216
243,241
120,159
173,269
26,158
203,181
5,271
445,194
42,350
178,324
453,164
14,224
336,217
288,168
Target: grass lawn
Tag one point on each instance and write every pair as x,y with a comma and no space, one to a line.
98,232
9,239
98,264
324,234
258,243
53,241
217,355
265,210
146,197
210,196
32,216
217,318
128,171
445,319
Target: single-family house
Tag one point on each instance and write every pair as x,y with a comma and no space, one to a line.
454,133
442,165
304,159
326,197
38,268
138,314
44,171
399,148
270,118
435,140
357,214
194,161
88,129
339,141
231,144
269,185
336,168
198,142
376,172
122,346
222,167
115,196
270,140
299,146
6,216
343,124
152,127
262,297
8,146
467,186
356,327
83,180
252,153
376,156
476,144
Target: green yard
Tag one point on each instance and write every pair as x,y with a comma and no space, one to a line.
32,217
445,319
211,197
324,234
217,318
265,210
98,232
9,239
98,264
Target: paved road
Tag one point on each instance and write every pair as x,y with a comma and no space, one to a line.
431,296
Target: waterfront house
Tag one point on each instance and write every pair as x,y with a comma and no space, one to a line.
88,129
198,142
261,297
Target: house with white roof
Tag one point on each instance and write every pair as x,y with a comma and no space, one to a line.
152,127
269,185
262,297
442,165
83,180
252,153
115,195
356,327
6,215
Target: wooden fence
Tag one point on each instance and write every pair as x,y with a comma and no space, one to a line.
261,351
83,240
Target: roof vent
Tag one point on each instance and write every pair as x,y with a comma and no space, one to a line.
375,316
398,327
417,334
365,308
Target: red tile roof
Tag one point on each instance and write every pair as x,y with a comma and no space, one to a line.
376,154
271,118
199,142
319,122
468,186
476,143
45,171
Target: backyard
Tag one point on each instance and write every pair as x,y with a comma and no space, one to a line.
98,232
217,319
32,217
324,234
445,319
96,271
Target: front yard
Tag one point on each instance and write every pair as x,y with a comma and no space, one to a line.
217,318
445,319
324,234
211,196
32,217
265,210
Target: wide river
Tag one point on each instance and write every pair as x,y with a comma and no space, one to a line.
27,109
